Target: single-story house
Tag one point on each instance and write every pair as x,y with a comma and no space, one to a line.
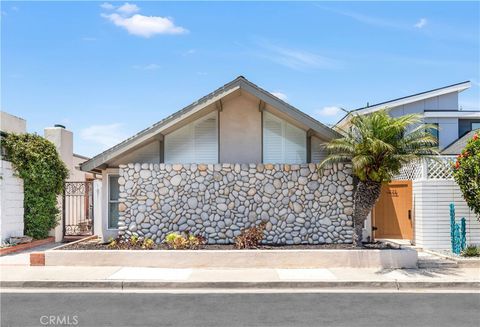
240,156
225,138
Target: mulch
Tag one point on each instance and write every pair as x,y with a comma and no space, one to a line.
97,245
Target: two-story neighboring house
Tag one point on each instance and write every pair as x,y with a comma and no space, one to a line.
416,205
439,106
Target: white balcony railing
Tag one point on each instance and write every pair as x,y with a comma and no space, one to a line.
428,168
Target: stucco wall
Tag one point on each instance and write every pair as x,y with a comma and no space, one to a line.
240,131
442,102
447,130
149,153
76,175
11,203
299,203
12,124
448,127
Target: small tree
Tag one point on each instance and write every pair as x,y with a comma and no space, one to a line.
37,162
378,145
467,173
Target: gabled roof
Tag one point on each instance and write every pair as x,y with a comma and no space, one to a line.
457,146
238,83
458,87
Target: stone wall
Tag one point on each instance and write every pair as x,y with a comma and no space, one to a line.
11,202
299,203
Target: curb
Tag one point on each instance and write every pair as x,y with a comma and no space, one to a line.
132,285
461,262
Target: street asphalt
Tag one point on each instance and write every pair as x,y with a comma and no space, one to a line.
240,309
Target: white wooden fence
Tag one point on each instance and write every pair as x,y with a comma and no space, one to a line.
433,190
432,200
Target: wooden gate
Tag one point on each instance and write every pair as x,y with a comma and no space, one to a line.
392,215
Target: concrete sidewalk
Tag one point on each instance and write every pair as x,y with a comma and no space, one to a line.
15,271
142,277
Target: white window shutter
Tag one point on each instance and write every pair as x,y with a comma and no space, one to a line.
318,152
179,146
295,144
206,140
283,142
196,142
272,139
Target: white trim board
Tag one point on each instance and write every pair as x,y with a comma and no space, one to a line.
451,114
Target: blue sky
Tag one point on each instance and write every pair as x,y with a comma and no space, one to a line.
109,69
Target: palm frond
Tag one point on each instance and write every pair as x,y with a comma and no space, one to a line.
378,145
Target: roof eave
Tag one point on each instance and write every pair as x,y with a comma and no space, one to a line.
239,83
459,87
151,131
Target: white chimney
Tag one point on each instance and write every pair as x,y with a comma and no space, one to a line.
63,140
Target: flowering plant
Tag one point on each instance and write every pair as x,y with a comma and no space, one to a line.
467,173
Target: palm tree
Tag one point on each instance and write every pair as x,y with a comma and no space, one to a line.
377,146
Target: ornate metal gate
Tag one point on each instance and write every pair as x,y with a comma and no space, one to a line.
78,209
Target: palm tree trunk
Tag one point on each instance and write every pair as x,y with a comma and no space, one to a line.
366,195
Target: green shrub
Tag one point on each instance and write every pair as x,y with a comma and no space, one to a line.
112,243
132,243
471,251
148,244
37,162
177,241
467,173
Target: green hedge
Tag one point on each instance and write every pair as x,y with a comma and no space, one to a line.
37,162
467,173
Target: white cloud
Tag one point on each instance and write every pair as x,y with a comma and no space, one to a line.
189,52
328,111
107,6
280,95
128,9
377,21
141,25
421,23
104,135
147,67
145,26
365,19
296,58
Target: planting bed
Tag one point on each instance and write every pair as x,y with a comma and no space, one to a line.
93,253
95,244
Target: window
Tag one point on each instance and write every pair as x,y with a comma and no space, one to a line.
434,131
196,142
113,195
475,126
283,142
319,153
